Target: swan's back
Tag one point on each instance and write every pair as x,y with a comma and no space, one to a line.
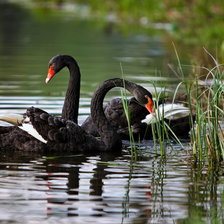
60,134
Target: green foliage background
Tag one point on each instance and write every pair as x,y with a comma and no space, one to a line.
196,20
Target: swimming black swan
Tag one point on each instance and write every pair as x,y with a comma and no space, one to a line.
71,103
59,134
114,112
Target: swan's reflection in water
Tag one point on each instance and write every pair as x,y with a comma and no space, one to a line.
105,188
72,185
93,187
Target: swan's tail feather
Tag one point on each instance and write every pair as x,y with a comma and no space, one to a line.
15,119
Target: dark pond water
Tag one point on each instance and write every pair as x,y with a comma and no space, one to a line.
105,188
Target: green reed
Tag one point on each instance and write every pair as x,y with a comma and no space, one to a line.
206,113
124,99
207,136
206,106
161,131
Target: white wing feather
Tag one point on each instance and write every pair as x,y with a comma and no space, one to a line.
18,120
166,111
32,131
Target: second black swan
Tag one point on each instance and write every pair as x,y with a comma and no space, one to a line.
115,114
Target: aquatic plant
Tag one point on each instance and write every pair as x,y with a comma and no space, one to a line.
207,136
133,147
159,129
134,154
162,133
206,100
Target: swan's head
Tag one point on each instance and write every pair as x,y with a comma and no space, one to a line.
144,97
57,63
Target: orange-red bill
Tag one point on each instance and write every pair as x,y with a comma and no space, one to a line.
149,105
50,74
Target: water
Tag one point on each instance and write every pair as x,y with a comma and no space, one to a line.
106,188
97,188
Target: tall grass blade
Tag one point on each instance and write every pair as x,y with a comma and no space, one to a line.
124,99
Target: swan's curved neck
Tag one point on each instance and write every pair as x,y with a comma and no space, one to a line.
71,103
107,133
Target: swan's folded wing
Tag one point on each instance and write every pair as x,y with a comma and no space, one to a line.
54,129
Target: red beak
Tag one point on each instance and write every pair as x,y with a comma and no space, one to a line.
149,106
50,74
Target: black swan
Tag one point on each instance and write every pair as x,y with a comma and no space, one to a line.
71,103
114,112
61,134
